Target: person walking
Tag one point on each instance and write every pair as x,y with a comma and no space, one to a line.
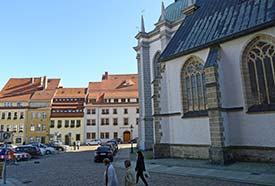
140,168
130,178
110,174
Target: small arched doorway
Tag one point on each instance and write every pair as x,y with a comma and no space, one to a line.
126,136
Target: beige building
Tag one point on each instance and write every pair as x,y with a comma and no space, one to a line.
67,115
14,103
39,112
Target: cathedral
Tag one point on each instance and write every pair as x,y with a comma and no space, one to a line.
207,81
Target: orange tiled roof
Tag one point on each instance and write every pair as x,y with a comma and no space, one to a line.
115,86
71,93
21,89
45,95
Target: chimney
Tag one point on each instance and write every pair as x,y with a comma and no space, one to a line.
41,81
45,82
105,76
192,7
32,80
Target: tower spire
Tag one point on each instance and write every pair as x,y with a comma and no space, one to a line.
142,28
163,12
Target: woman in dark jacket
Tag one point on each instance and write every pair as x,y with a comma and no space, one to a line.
140,168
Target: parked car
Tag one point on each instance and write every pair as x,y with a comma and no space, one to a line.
11,154
59,147
103,152
43,148
11,146
49,150
93,141
32,150
114,143
111,146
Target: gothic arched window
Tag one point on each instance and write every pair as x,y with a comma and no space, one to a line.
259,74
193,86
156,66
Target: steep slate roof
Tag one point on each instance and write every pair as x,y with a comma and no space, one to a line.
217,21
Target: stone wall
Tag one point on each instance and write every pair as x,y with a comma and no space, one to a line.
181,151
253,154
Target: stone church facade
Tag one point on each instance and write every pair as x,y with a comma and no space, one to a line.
212,86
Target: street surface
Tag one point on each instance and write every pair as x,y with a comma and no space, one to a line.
78,169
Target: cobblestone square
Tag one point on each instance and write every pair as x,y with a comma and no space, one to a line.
78,169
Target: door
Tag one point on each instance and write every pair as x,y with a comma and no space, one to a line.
126,136
67,140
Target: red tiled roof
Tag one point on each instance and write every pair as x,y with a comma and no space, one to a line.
115,86
71,93
21,89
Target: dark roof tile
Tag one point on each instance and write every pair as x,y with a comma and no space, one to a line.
217,21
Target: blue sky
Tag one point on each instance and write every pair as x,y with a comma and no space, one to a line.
75,40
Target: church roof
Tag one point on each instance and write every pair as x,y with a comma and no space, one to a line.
175,10
217,21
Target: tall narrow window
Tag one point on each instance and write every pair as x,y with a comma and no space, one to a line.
193,88
259,74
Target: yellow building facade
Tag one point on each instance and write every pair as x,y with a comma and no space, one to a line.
13,117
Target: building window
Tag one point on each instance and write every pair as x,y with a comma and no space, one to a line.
18,140
93,122
2,128
114,121
21,115
78,123
125,111
156,66
88,111
89,135
15,116
44,115
77,137
137,121
193,86
137,111
9,115
115,135
3,115
44,127
104,121
93,111
21,127
125,121
102,135
107,135
258,69
115,100
33,115
67,123
39,115
105,111
19,104
38,139
52,124
114,111
88,122
72,123
14,128
59,124
93,135
38,127
32,129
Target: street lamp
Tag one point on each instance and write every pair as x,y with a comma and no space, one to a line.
131,127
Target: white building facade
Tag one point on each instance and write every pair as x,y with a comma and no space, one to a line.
217,85
150,45
112,110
